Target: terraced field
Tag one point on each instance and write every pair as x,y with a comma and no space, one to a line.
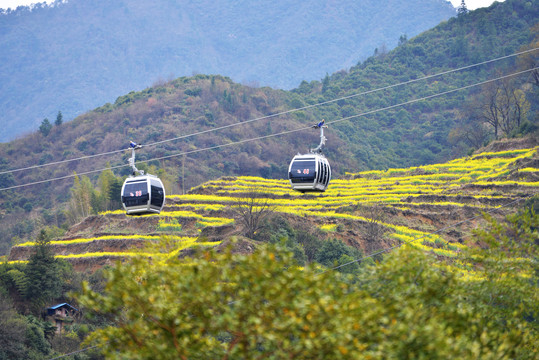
431,207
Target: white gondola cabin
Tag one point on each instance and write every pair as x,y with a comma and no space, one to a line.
142,193
311,172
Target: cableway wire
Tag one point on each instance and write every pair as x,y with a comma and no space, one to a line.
279,113
280,133
74,352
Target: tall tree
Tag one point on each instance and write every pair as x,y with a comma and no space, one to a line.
59,119
44,280
470,128
115,194
80,204
462,9
102,199
501,105
45,127
530,60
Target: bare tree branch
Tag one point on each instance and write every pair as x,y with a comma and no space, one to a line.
251,209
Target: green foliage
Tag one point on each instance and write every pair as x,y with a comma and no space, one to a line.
440,316
30,337
335,253
310,240
59,119
257,285
508,263
302,240
22,337
45,127
115,194
35,338
80,204
12,332
258,306
44,280
86,200
193,92
20,281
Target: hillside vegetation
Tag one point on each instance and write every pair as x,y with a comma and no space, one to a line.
430,131
368,211
336,270
78,54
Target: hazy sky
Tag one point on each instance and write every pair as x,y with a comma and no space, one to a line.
470,4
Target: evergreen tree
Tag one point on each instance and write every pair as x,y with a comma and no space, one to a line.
36,338
336,253
403,39
462,9
44,283
59,119
45,127
115,194
325,83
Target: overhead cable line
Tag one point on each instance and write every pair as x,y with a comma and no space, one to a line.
280,133
279,113
61,162
74,352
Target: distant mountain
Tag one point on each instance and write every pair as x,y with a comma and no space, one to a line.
79,54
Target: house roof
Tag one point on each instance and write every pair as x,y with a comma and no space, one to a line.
61,305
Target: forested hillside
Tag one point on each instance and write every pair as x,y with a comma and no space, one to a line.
79,54
419,133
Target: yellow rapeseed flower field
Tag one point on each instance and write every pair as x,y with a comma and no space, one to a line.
475,183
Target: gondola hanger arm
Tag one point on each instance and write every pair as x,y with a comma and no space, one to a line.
134,146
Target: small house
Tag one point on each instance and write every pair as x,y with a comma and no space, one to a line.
60,314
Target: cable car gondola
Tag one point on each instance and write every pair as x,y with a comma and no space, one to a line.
311,172
142,193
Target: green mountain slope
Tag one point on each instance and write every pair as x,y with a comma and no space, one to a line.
406,136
